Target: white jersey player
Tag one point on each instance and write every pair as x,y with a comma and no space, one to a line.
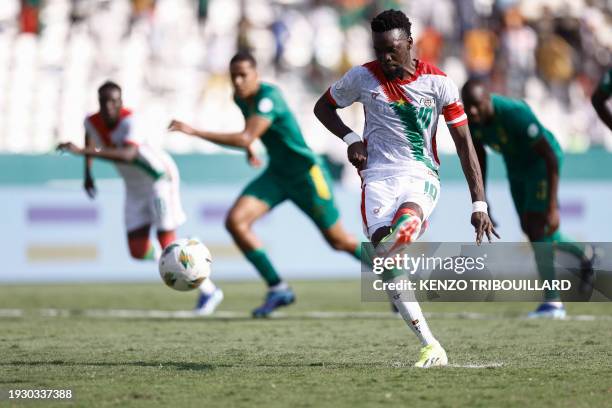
397,157
400,135
151,179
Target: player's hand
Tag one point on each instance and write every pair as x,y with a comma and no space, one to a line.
491,217
252,158
552,221
357,155
483,225
90,187
178,126
69,147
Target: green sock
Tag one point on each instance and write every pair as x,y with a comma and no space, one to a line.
357,252
150,254
390,274
544,257
566,244
368,258
261,262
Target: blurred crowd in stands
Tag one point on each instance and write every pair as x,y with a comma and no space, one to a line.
171,57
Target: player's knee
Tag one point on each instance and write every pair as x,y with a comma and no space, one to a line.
533,228
235,224
534,232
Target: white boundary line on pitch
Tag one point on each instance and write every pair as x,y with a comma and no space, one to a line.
188,314
485,365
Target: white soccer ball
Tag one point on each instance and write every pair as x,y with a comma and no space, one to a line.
185,264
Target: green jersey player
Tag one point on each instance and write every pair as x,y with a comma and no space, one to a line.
601,97
294,173
533,161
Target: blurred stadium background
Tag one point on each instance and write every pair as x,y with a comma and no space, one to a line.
171,58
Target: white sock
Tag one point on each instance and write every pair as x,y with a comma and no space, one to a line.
279,286
207,287
409,309
556,303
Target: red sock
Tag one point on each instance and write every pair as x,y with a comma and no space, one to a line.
165,238
140,246
403,211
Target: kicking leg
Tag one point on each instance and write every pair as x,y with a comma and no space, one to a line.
405,226
409,214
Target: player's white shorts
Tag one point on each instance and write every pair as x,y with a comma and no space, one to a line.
157,204
380,199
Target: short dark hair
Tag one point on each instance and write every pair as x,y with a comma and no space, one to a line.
467,91
244,56
389,20
108,86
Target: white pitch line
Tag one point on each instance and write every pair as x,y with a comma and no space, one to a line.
11,312
485,365
187,314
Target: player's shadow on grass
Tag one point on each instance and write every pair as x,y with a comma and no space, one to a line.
188,366
154,364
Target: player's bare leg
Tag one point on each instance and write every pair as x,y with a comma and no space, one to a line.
239,222
405,229
339,239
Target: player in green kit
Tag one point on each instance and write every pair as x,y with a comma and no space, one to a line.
294,173
601,97
533,161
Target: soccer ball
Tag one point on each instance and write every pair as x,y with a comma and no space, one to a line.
185,264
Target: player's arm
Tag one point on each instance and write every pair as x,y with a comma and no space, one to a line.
254,128
543,148
88,180
471,169
124,154
599,99
326,112
481,153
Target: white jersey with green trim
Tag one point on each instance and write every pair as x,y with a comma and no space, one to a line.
401,116
151,164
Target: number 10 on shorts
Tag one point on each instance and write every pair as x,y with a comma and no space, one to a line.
431,190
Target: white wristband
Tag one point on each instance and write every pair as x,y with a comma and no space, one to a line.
351,138
479,206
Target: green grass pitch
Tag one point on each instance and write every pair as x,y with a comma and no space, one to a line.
355,355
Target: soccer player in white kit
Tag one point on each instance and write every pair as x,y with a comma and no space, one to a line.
397,159
151,178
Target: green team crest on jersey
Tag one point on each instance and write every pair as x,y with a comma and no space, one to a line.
415,121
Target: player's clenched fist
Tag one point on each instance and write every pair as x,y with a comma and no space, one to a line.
178,126
483,225
357,155
252,158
